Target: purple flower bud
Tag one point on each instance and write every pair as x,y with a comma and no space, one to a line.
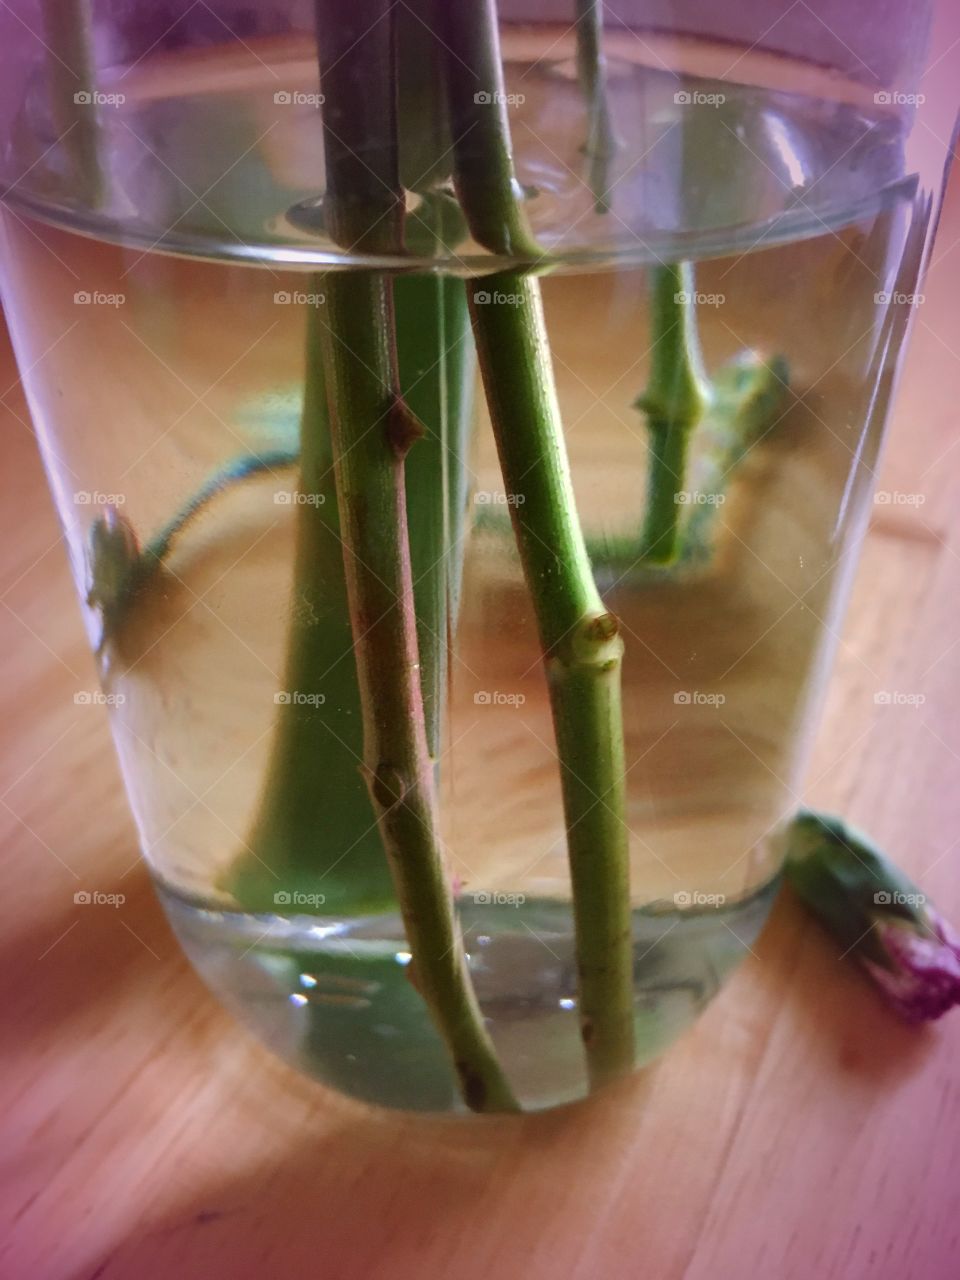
876,913
922,980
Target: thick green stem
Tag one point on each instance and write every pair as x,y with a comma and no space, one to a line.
582,654
601,143
372,430
579,638
676,399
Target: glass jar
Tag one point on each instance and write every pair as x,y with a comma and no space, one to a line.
741,199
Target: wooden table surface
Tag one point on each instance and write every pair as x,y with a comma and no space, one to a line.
798,1131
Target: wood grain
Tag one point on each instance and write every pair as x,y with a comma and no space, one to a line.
797,1132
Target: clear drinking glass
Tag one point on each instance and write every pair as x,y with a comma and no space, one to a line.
165,256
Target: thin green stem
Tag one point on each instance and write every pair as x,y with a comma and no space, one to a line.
748,398
321,842
483,158
601,144
120,570
372,431
675,401
579,638
667,469
236,472
71,69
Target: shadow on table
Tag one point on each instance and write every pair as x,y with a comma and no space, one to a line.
380,1193
375,1194
84,954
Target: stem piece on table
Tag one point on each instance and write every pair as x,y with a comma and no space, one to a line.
601,144
676,399
581,646
876,914
372,431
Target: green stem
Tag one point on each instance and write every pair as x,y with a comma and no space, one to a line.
675,401
322,842
748,398
483,158
236,472
582,653
601,143
579,638
67,36
668,449
372,431
312,837
121,571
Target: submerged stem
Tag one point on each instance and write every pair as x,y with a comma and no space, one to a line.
372,431
676,398
667,469
601,143
483,158
579,638
582,654
72,76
